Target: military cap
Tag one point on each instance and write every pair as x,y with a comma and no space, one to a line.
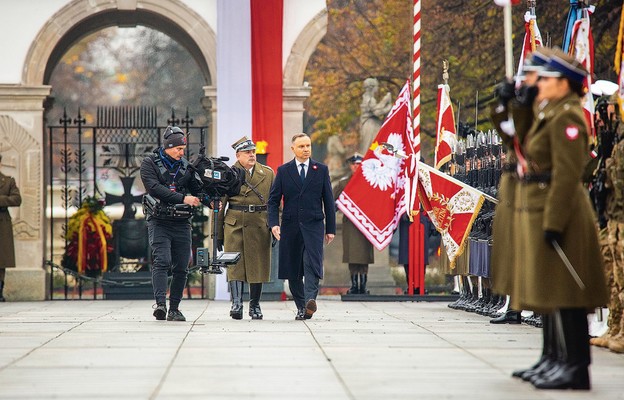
562,65
355,159
244,144
537,59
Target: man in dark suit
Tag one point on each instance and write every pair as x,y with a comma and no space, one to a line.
308,217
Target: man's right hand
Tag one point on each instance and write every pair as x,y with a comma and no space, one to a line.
276,232
191,201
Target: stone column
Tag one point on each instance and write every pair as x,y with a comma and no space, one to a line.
209,102
293,98
22,143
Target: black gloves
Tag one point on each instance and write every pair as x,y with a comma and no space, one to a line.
527,94
505,91
220,245
552,236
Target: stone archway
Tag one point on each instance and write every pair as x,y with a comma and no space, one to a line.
81,17
21,108
295,90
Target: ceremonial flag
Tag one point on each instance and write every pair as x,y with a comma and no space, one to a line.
619,63
575,13
374,198
446,137
532,39
451,205
582,48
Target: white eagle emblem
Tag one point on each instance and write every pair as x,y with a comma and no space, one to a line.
382,170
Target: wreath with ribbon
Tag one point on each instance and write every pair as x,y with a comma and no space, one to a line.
89,233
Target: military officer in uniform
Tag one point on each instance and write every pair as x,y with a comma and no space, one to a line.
243,227
613,248
9,197
357,251
553,210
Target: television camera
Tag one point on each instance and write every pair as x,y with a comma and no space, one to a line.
218,180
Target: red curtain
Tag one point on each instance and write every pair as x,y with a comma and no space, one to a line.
266,76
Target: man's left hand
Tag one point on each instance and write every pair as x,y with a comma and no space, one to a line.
329,237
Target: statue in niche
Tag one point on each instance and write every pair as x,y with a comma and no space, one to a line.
372,113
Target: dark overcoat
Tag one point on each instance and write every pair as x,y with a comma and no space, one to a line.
9,197
248,232
308,214
556,146
356,249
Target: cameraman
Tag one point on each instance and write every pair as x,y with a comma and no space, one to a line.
168,178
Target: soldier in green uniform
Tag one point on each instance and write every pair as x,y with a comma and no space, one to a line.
613,244
520,105
357,251
553,209
9,197
244,227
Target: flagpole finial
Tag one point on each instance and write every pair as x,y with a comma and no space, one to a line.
445,75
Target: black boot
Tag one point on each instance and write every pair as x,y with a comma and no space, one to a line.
2,299
573,372
485,301
236,291
363,279
462,295
508,317
549,352
255,291
354,285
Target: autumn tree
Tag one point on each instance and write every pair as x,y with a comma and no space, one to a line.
374,39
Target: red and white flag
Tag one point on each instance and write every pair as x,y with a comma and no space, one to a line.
374,198
582,48
532,38
451,205
446,137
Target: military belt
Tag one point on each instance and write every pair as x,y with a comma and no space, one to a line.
248,208
536,178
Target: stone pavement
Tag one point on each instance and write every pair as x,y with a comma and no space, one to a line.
349,350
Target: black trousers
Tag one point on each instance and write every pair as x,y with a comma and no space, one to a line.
306,288
171,249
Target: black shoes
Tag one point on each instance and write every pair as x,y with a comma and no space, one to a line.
160,311
567,376
255,312
509,317
310,308
175,315
307,311
301,314
236,312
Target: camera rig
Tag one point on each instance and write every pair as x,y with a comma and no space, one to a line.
218,180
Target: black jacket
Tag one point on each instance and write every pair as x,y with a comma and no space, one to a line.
157,184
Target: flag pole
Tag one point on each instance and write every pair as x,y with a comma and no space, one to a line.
508,41
416,267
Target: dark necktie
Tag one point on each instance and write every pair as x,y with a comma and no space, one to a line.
302,172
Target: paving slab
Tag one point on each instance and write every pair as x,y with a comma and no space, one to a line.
349,350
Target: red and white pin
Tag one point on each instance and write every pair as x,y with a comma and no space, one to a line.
572,132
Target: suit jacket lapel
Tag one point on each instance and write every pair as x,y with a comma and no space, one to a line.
293,170
312,171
